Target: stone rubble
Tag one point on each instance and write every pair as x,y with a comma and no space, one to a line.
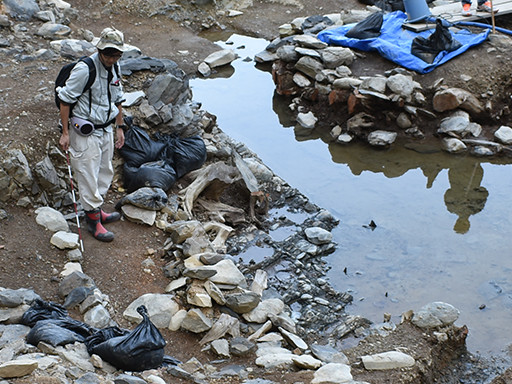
272,350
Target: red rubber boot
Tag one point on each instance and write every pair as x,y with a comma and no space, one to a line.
109,217
94,226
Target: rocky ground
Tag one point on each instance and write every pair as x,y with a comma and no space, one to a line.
121,269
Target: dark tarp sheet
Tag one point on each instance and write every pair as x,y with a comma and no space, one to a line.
394,42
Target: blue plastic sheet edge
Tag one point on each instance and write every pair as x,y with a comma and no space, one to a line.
394,42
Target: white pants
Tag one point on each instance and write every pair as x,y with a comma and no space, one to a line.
91,159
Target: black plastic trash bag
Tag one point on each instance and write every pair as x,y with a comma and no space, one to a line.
59,332
157,174
186,154
103,335
139,148
390,5
43,310
427,49
138,350
160,162
367,28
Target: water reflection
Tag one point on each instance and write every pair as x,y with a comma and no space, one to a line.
466,196
280,106
224,72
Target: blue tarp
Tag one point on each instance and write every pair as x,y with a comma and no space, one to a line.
394,42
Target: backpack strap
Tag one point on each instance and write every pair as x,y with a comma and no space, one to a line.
92,76
92,72
118,70
110,76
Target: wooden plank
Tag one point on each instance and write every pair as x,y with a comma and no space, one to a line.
452,13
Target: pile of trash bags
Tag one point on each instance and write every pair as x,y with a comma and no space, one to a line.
159,162
137,350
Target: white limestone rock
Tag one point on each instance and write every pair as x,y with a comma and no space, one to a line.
51,219
273,361
227,273
504,134
307,120
71,267
435,314
220,58
261,312
139,215
387,360
65,240
17,368
204,69
160,308
318,235
307,362
177,320
454,145
332,373
381,138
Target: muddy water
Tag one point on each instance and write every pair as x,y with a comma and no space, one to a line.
442,221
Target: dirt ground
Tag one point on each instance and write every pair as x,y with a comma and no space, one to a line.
28,120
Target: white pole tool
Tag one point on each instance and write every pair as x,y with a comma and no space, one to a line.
74,203
492,18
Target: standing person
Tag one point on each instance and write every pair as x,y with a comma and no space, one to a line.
483,6
99,107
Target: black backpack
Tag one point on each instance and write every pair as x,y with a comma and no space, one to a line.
63,76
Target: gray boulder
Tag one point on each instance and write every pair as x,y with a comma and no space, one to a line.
504,134
220,58
381,138
53,31
435,314
21,9
51,219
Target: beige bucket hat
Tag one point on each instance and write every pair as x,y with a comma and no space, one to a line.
111,38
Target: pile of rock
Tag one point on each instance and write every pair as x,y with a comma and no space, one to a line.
281,349
375,109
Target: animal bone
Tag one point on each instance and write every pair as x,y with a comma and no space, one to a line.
223,212
216,176
223,231
259,199
259,283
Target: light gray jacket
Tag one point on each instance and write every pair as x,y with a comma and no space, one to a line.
99,109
